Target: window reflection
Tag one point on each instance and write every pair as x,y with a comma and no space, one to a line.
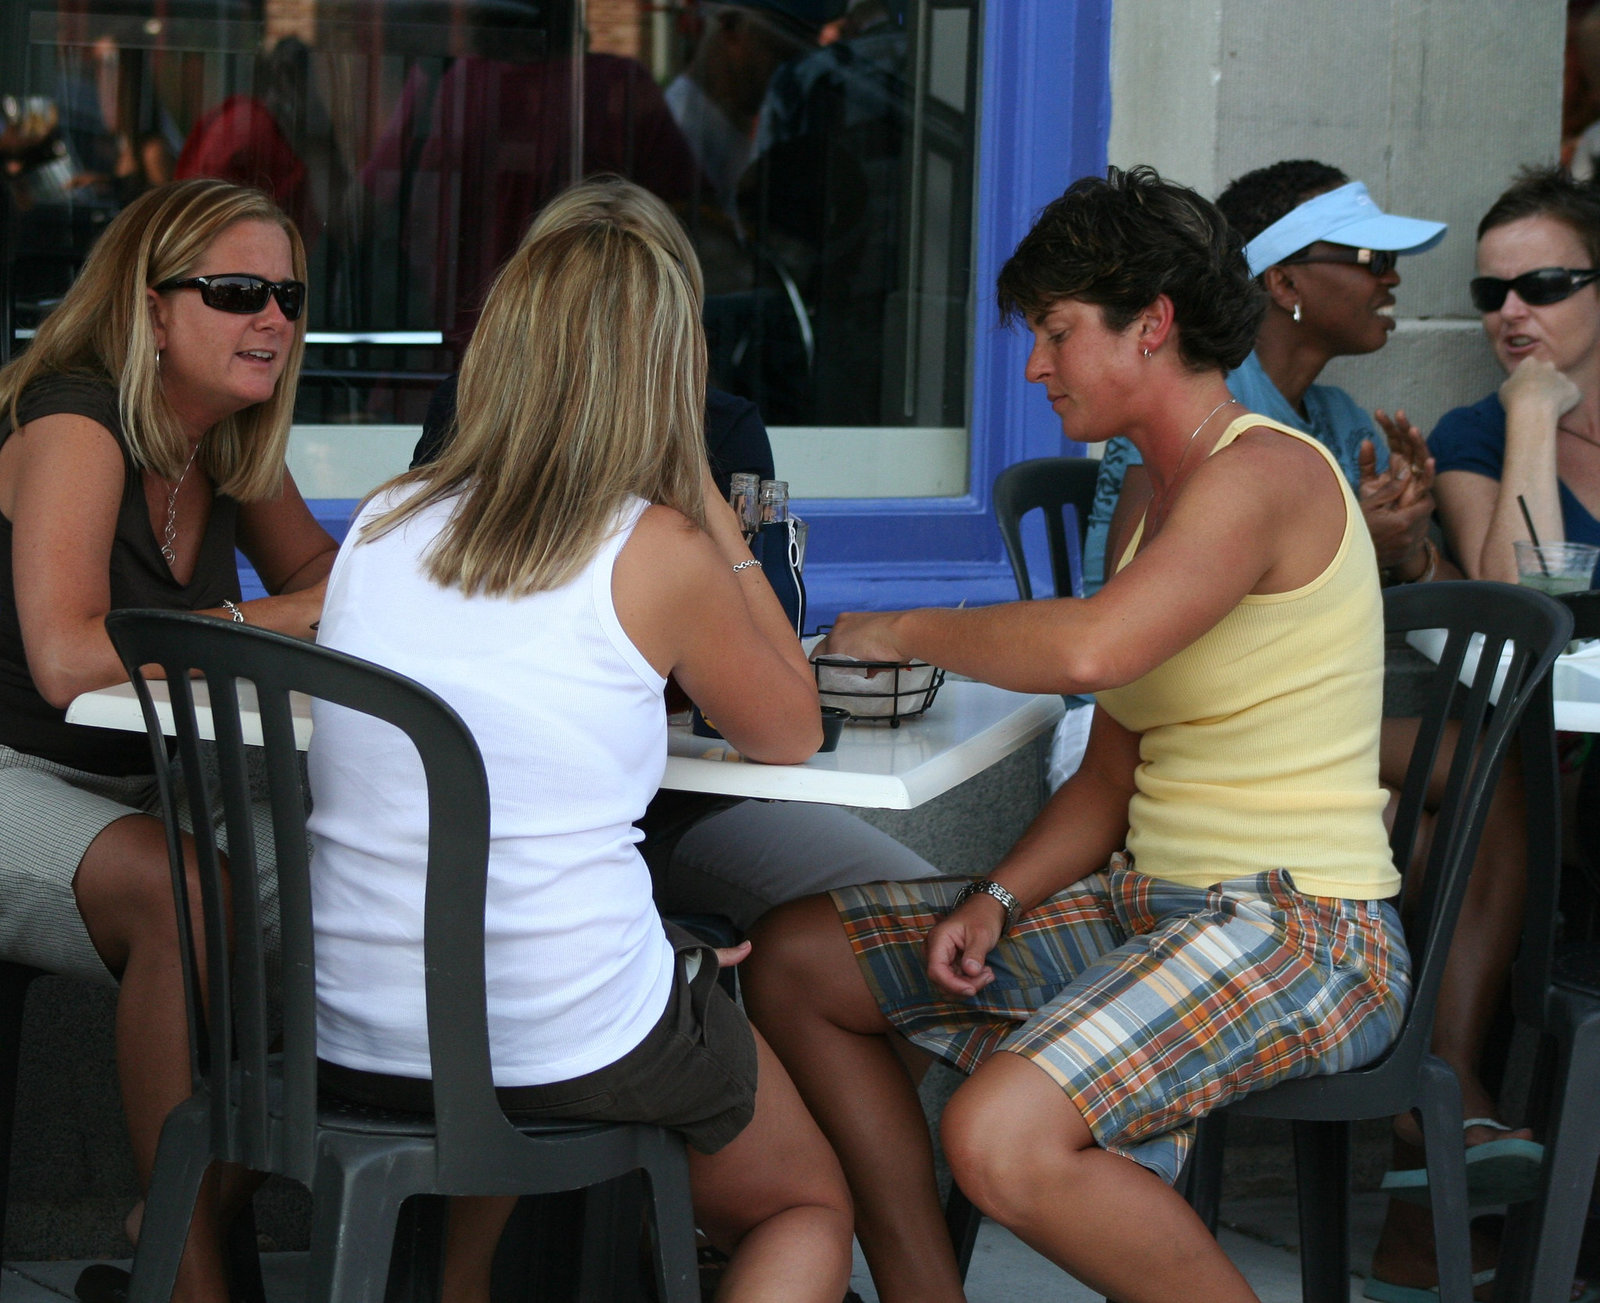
823,162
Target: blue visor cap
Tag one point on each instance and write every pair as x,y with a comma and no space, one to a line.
1344,216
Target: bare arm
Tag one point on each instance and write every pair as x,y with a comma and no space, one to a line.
292,554
1082,824
1265,514
1481,516
64,489
721,633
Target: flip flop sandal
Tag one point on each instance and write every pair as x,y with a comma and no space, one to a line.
1385,1292
100,1282
1498,1171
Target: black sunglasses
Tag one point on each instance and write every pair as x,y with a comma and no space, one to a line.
1537,289
242,293
1380,262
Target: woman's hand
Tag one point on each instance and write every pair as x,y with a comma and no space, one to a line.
958,946
1397,503
732,956
867,636
1536,385
1408,451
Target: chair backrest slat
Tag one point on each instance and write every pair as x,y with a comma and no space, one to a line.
1515,635
473,1132
1053,485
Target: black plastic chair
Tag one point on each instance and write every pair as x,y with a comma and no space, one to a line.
14,981
1557,983
1050,485
1409,1078
260,1108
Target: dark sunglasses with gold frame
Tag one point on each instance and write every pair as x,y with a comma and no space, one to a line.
1380,262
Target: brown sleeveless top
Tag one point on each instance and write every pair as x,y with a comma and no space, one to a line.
139,578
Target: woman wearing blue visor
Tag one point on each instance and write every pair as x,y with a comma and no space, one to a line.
1327,256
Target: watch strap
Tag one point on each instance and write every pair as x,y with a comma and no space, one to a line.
988,887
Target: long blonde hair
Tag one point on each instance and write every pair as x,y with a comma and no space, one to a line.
103,328
584,385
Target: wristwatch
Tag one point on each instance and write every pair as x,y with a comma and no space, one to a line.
985,887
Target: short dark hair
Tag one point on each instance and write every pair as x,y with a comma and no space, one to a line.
1257,199
1122,241
1549,192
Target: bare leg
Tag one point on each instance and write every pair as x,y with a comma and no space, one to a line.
1488,929
1024,1154
1474,981
124,892
805,992
773,1198
471,1234
776,1200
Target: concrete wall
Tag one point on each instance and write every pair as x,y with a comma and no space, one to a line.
1433,105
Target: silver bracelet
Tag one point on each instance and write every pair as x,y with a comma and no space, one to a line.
232,608
984,887
745,565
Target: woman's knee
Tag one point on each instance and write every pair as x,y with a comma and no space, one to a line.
793,947
1008,1132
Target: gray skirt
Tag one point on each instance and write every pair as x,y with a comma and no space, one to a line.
49,816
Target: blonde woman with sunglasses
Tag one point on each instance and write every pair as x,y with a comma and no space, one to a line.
142,439
1538,437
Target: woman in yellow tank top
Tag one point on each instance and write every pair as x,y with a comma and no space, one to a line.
1203,909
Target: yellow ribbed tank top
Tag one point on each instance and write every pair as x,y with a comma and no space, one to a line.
1259,741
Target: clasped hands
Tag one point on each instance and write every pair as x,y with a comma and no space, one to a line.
1397,503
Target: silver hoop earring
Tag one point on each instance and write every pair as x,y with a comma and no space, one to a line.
1296,313
158,361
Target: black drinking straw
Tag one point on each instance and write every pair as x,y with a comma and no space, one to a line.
1527,519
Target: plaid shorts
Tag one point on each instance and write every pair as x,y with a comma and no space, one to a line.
1148,1002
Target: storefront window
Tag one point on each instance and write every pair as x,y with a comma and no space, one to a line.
824,169
852,187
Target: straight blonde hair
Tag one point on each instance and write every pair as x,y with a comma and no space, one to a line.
583,386
103,328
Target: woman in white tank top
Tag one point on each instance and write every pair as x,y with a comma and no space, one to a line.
546,576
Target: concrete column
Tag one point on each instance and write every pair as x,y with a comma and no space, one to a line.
1433,105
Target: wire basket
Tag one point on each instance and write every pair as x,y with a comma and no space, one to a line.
892,692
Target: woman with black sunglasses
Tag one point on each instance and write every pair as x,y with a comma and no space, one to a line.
142,439
1537,438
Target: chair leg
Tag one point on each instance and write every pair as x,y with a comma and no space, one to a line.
962,1218
667,1173
182,1158
613,1216
244,1259
14,980
1322,1175
418,1255
356,1202
1440,1114
1202,1174
1572,1150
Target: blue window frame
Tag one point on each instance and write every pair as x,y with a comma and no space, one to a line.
1046,110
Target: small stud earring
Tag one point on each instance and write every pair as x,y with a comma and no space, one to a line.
1296,313
1146,354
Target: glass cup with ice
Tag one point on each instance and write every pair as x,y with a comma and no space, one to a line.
1556,568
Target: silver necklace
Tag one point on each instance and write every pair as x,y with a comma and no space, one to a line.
170,532
1188,443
